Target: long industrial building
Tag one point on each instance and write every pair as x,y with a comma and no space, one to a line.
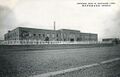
24,33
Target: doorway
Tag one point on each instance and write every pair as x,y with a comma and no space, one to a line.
71,39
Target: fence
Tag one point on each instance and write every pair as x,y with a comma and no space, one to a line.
39,42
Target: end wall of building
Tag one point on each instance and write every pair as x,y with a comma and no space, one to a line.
12,35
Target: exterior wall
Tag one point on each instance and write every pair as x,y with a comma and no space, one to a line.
108,39
12,35
39,34
114,40
22,33
88,37
1,42
69,35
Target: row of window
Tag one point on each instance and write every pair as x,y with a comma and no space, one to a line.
43,35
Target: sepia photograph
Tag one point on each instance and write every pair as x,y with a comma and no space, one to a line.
59,38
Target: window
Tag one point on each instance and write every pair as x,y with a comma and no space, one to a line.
39,35
34,34
53,35
57,35
43,35
14,34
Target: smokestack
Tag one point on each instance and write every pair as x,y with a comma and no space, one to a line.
54,25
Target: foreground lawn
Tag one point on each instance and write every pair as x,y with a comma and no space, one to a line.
27,63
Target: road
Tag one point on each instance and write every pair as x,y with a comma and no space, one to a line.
31,63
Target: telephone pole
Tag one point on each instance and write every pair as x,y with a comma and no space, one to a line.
54,25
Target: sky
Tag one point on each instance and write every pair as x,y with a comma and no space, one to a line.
105,21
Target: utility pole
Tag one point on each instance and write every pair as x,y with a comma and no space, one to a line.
54,25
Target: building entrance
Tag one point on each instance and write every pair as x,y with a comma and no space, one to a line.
71,39
47,39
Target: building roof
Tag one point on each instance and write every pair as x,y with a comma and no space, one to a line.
69,30
50,30
35,28
88,33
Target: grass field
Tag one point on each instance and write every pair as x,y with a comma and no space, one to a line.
105,70
27,63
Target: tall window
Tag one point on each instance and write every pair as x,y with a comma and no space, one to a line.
53,35
57,35
34,34
39,35
43,35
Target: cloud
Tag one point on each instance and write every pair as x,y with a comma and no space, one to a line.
7,20
8,3
113,29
